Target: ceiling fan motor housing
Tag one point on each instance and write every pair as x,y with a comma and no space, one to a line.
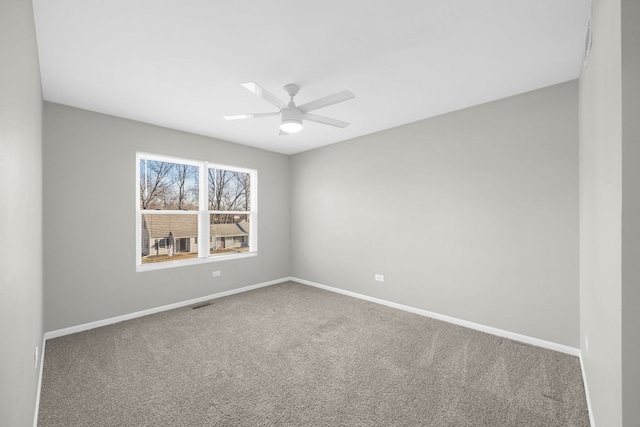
291,119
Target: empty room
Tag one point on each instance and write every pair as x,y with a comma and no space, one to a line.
413,213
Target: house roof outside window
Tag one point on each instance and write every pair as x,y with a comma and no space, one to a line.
181,226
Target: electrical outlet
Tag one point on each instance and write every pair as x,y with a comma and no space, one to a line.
35,358
379,277
586,343
217,273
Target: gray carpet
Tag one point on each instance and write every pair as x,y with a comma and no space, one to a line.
293,355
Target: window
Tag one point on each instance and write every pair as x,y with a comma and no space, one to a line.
180,221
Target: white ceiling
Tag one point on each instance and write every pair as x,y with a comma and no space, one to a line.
179,64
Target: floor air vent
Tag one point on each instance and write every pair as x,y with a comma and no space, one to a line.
200,306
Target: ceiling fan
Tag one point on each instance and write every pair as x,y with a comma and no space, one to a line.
290,114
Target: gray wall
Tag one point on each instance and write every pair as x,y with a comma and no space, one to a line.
89,221
472,214
20,213
600,215
631,212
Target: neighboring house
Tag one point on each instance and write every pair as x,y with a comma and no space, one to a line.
165,234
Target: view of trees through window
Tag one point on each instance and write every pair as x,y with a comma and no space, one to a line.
166,185
175,186
229,190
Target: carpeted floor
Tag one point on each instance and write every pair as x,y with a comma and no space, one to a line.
293,355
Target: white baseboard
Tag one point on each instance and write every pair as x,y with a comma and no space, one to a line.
586,392
479,327
98,323
483,328
41,363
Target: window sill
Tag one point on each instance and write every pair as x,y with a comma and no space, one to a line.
194,261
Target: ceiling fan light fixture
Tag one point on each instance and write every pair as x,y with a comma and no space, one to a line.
291,126
291,120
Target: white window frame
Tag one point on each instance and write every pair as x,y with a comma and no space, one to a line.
203,213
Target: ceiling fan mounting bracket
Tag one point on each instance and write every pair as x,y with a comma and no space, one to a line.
291,89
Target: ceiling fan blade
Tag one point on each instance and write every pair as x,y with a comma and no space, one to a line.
264,94
326,101
250,116
324,120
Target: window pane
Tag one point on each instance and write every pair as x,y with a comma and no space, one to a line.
228,190
229,233
168,237
166,185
